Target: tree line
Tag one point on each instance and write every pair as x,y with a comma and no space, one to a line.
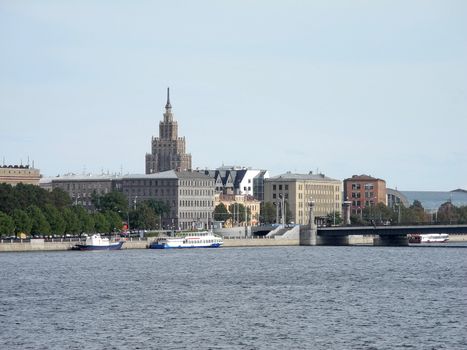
31,210
378,214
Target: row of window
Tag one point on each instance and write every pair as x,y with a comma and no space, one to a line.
184,203
357,186
359,203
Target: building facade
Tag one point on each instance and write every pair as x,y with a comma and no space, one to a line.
364,191
237,180
296,191
189,195
248,202
80,188
168,150
15,174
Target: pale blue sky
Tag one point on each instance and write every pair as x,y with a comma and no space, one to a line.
346,87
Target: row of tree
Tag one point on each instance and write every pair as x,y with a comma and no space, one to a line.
415,214
379,214
29,209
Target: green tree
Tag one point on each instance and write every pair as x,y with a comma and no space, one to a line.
8,201
60,199
39,222
114,221
86,223
23,223
239,212
55,219
72,223
113,201
267,213
144,217
100,222
159,207
221,213
448,213
334,218
7,225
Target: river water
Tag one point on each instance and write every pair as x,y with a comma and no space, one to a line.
236,298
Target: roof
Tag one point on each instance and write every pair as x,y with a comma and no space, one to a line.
170,174
84,177
363,177
293,177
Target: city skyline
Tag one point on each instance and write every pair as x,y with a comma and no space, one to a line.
345,89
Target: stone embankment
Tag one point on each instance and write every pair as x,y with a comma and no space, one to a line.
7,245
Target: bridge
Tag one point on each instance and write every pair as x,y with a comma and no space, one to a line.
384,235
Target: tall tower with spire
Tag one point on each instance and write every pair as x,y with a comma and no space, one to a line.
167,150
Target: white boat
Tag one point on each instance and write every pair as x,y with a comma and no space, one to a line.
204,239
428,238
96,242
434,238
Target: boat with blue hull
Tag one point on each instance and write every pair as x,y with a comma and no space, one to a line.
96,242
203,239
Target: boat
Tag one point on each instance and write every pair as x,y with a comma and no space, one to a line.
96,242
429,238
203,239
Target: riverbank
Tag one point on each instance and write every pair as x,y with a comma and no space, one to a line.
141,243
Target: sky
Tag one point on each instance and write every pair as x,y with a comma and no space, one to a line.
339,87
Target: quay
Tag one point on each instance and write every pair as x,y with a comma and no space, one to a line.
58,244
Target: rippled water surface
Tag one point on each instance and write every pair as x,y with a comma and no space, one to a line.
235,298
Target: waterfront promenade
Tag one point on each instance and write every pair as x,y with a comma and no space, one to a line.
62,244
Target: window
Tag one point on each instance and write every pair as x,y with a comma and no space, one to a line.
273,187
280,187
355,186
286,187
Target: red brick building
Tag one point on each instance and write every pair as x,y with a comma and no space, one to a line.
364,191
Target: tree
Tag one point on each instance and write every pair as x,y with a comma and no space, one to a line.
114,201
114,221
100,222
7,225
333,218
39,222
239,212
72,222
23,223
86,223
268,213
159,207
221,213
144,217
60,198
55,219
447,213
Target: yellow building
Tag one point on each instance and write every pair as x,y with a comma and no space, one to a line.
248,201
296,190
15,174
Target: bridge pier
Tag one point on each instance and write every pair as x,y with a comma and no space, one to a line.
333,240
391,241
309,233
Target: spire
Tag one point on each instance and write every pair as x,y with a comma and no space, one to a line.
168,105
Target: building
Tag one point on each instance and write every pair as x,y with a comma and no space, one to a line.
168,150
15,174
396,198
237,180
80,188
248,201
364,191
432,200
296,190
189,195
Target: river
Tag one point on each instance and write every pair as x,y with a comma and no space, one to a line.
236,298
